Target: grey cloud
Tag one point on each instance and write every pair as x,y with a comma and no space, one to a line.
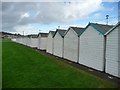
47,12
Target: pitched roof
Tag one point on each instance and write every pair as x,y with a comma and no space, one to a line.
102,27
60,31
76,29
52,32
43,34
118,24
99,27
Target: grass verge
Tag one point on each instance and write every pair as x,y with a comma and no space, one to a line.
26,68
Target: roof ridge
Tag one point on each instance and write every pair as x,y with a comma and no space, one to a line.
102,24
76,27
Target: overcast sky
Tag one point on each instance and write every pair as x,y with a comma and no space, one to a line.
35,17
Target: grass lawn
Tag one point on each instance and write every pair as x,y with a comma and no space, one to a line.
26,68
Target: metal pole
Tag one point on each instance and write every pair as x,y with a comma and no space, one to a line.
107,18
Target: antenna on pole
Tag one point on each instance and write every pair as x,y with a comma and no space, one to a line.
107,16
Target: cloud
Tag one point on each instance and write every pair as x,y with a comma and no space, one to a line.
27,29
97,15
25,15
19,13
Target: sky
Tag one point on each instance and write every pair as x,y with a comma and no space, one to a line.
34,17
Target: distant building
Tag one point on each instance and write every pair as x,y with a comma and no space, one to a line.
8,35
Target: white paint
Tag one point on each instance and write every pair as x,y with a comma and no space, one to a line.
50,43
112,61
28,42
58,45
42,43
91,49
34,42
71,46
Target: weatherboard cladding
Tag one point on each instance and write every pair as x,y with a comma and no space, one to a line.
112,51
58,45
50,42
91,48
42,41
71,45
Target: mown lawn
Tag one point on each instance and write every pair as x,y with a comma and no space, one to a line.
26,68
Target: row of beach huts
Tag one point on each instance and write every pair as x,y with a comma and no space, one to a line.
95,46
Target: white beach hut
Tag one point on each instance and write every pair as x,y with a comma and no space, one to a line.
113,51
58,42
50,42
28,41
34,40
92,46
20,40
24,40
71,43
42,41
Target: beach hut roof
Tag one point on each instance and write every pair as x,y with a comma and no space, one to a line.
113,28
99,27
76,29
43,34
61,32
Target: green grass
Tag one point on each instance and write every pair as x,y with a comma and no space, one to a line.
26,68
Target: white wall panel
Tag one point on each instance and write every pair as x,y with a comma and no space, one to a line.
112,53
71,46
34,42
58,45
43,43
91,49
50,44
